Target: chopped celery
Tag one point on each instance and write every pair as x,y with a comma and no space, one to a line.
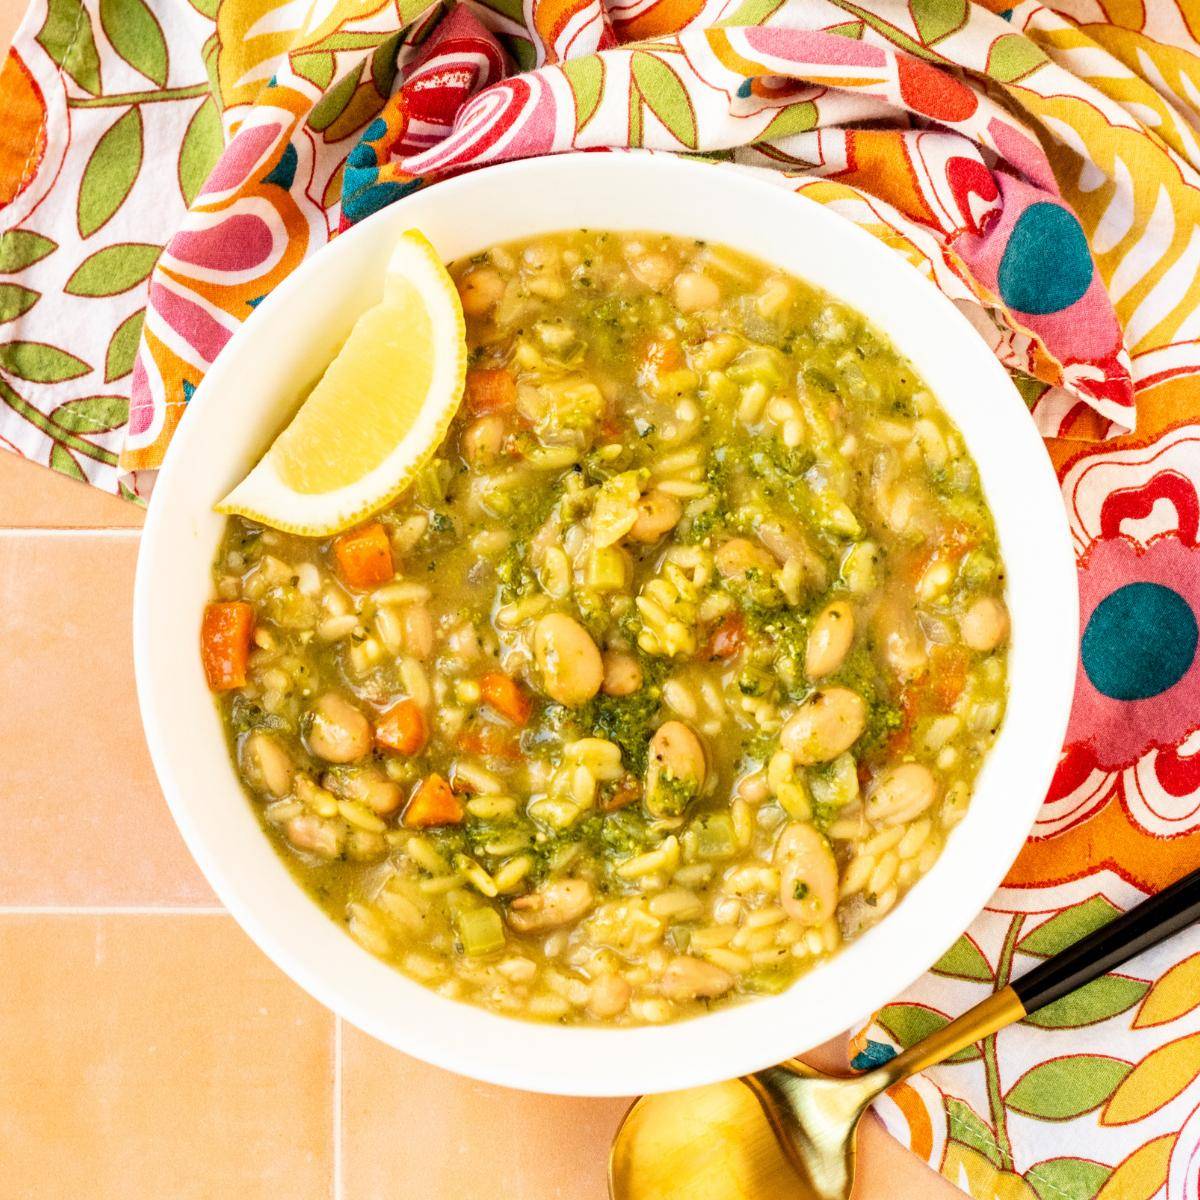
480,930
759,364
715,837
606,569
835,785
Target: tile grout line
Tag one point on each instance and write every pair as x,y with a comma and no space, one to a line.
62,531
338,1183
110,910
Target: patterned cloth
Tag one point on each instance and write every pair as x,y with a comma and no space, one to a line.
162,167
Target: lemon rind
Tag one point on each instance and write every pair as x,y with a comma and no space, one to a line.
415,258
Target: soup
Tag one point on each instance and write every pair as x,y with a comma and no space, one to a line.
670,673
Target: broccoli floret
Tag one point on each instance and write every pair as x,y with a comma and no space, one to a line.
671,796
628,720
624,833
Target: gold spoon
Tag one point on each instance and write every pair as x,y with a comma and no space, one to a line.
788,1133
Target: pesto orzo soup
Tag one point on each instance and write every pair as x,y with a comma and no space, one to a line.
669,674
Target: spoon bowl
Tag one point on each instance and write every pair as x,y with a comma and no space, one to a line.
789,1132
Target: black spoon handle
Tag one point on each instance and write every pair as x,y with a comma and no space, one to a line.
1146,924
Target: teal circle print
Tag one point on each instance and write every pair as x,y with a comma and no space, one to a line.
1139,641
1046,265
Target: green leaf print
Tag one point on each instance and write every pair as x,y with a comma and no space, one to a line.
850,29
207,8
66,35
968,1127
752,12
664,95
383,63
333,103
586,79
21,248
1067,927
137,37
122,348
1097,1001
1064,1088
63,461
209,56
1067,1178
202,143
909,1023
317,67
935,19
16,300
39,363
964,960
110,173
92,414
892,33
113,270
1012,57
795,118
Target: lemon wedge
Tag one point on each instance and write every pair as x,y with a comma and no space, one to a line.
377,414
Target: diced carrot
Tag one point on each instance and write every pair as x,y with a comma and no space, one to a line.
901,737
491,389
433,803
364,557
663,354
402,728
225,635
726,639
610,429
492,741
505,697
947,675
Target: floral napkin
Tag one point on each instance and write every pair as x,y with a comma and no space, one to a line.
163,165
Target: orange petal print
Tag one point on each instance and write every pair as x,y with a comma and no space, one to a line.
1142,1174
1176,993
1107,839
1154,1082
657,20
24,143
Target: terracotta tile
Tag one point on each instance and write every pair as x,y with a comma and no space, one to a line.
34,497
890,1171
11,12
158,1056
84,820
413,1130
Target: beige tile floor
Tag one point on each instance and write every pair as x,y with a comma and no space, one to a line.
149,1049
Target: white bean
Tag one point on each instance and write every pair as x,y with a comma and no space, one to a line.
622,673
688,978
829,639
557,903
985,624
827,724
808,874
267,765
479,290
901,793
675,771
339,733
657,514
571,666
695,292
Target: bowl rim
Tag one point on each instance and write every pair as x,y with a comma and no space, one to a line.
734,1040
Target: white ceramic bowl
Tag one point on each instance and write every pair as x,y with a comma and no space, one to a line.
253,387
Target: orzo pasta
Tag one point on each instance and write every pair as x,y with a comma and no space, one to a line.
669,674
